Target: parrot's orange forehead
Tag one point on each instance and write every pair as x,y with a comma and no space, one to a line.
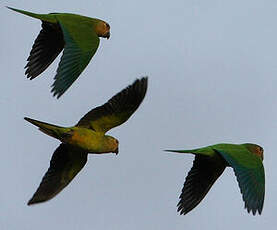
255,149
260,151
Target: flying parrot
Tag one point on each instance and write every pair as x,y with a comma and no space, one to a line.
87,136
210,162
77,35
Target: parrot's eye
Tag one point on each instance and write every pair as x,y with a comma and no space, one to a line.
108,26
116,141
261,150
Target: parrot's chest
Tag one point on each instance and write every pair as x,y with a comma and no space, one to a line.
87,140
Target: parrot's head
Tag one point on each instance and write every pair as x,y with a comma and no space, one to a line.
112,144
102,29
255,149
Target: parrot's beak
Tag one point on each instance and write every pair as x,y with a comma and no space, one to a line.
107,35
116,151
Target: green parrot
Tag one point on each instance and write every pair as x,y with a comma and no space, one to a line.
87,136
76,34
210,162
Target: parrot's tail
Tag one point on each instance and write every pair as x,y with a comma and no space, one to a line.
206,151
180,151
44,17
49,129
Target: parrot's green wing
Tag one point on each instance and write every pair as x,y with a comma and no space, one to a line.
66,162
117,110
249,171
46,48
81,43
201,177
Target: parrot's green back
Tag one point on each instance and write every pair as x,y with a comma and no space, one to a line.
86,24
78,50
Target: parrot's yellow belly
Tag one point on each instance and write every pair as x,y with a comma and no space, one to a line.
89,140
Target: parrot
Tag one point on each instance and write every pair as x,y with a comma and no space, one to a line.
87,136
210,162
78,37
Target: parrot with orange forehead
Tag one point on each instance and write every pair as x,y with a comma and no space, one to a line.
87,136
78,37
210,162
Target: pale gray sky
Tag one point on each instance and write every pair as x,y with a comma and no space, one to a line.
212,68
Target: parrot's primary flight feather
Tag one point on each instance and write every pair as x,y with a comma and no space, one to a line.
88,136
199,180
77,35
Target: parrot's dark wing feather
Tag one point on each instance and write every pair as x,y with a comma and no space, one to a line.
46,48
199,180
117,110
250,175
65,164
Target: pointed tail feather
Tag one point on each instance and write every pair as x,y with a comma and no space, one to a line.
43,17
180,151
206,151
49,129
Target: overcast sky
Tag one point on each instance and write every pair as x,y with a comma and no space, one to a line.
212,68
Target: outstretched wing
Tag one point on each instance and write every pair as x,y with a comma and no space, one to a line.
66,162
250,175
199,180
46,48
81,43
117,110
